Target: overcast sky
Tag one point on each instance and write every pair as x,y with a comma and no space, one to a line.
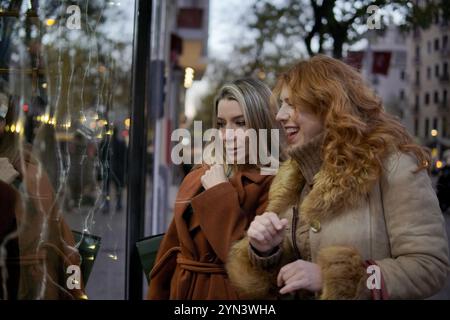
226,27
226,24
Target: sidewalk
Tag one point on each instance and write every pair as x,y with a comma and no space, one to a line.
107,278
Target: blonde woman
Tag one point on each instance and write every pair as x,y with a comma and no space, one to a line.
352,214
215,204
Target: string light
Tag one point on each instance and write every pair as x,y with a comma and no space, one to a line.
50,22
127,123
113,256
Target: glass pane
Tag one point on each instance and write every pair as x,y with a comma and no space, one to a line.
65,85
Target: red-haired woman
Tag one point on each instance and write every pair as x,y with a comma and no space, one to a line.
353,209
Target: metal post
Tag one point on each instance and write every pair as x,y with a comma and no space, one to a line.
157,84
137,150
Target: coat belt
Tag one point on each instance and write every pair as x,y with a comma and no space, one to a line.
199,267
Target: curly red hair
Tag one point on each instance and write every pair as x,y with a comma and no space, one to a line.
359,134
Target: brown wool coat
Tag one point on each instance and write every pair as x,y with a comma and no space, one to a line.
39,267
190,261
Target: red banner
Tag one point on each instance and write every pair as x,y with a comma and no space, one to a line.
381,62
355,59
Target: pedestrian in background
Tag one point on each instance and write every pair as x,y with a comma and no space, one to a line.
443,183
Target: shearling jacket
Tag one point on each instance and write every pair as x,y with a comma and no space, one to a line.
395,221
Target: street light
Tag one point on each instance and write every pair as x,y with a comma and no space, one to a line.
436,150
188,77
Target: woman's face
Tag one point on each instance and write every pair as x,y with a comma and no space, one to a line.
300,125
232,126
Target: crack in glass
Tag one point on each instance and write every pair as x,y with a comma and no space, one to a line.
63,147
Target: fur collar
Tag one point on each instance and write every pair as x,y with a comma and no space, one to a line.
332,192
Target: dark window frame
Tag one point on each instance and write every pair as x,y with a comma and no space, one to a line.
137,148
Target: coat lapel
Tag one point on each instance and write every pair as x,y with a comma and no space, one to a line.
191,186
238,182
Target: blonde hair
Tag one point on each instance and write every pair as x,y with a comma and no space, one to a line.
253,96
359,134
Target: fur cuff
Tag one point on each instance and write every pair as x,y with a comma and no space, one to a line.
343,273
249,281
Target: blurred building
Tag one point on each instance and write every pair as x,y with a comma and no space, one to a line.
428,70
192,28
410,72
383,66
385,69
180,57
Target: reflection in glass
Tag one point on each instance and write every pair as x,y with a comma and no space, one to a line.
64,120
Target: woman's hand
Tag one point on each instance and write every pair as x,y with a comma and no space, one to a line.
213,176
300,274
266,232
7,172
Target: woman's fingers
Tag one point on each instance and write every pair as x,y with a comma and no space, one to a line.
254,234
259,232
287,272
293,286
284,222
262,229
300,274
266,231
264,221
213,176
275,221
